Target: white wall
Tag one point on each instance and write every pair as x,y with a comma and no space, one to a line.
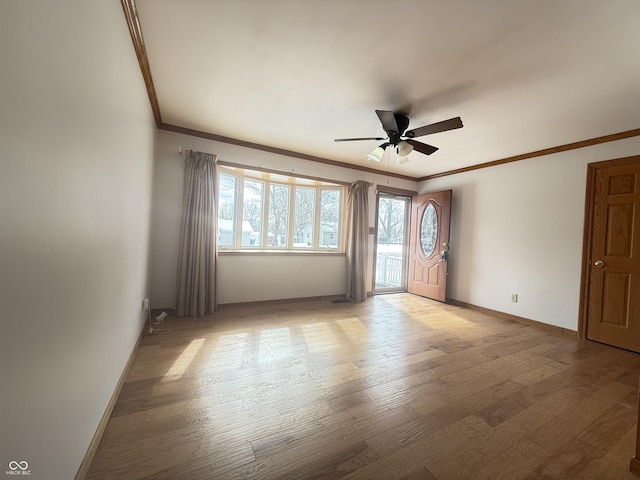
76,150
244,278
518,228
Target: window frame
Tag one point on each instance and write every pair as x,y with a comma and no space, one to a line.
291,181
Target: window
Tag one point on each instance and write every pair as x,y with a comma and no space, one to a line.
252,202
266,211
228,186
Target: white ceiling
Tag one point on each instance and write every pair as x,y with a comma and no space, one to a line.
524,75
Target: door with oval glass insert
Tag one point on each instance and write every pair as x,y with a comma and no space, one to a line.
429,244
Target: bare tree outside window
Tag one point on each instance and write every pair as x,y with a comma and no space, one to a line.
390,221
227,209
252,202
329,218
278,214
304,216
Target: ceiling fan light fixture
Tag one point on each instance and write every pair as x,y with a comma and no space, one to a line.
376,154
404,149
402,159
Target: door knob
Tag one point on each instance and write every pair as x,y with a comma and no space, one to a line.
598,263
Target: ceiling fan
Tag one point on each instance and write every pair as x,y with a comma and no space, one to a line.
395,125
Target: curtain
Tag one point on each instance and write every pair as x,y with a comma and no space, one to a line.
357,240
196,292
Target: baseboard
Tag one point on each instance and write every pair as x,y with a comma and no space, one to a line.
97,437
534,323
282,301
272,302
634,465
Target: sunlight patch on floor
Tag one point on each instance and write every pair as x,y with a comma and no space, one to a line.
229,349
354,329
319,337
184,360
279,339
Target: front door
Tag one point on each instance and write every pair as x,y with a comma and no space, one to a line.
612,263
429,244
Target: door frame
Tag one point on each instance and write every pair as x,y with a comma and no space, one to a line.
387,190
587,236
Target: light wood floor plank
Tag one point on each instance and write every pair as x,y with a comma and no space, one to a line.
397,387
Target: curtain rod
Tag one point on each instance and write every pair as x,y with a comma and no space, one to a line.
223,163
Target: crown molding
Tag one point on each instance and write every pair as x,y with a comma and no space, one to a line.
539,153
131,16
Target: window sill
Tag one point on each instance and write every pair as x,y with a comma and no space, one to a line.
334,253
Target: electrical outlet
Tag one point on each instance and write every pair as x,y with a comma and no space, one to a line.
514,298
145,304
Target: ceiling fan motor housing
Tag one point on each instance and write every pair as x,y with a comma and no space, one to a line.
402,123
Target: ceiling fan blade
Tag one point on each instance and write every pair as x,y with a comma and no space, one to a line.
388,120
422,147
443,126
356,139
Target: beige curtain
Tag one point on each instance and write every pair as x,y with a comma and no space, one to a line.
198,251
357,240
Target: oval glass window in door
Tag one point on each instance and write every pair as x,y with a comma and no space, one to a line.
429,230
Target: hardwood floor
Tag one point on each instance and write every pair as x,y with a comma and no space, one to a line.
398,387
